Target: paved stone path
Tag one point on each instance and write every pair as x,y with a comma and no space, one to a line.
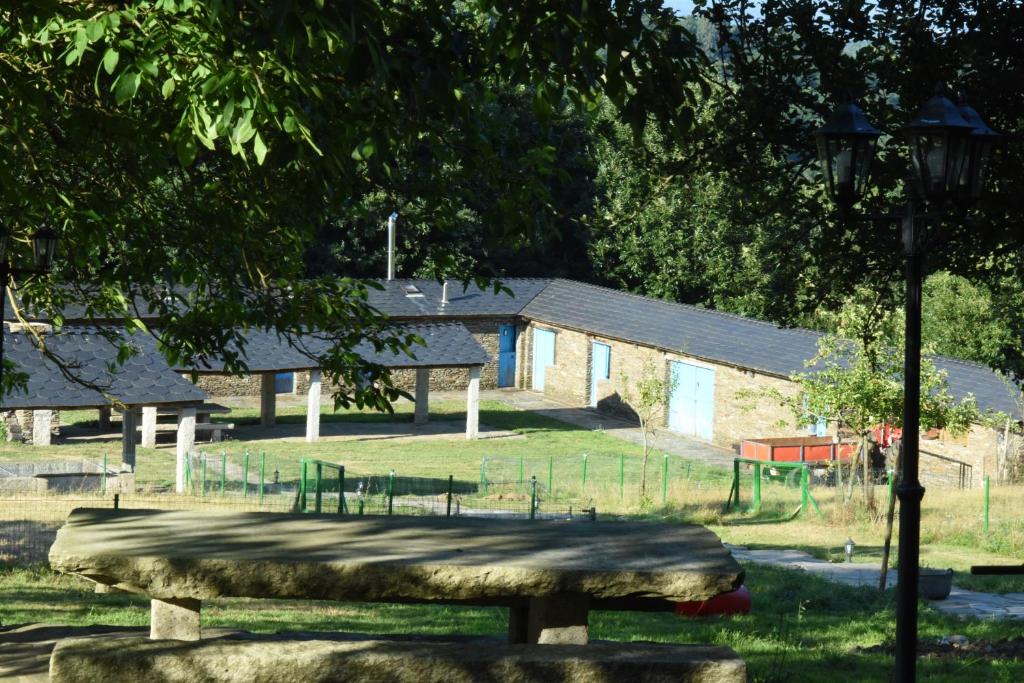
961,603
618,427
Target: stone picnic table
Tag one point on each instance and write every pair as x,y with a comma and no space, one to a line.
550,574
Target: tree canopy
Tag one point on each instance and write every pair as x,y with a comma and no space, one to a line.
188,153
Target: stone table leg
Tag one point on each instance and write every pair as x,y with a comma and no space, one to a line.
552,620
174,619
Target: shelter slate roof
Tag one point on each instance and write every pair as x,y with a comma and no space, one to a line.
144,379
395,300
447,345
721,337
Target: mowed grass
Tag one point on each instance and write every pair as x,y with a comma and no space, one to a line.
801,627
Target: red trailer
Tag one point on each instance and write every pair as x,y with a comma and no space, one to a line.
812,449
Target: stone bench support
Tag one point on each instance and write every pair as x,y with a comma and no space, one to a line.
174,619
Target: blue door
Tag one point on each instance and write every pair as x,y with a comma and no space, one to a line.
691,408
600,368
507,356
284,382
543,355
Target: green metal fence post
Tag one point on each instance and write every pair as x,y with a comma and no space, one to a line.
664,479
757,487
188,472
520,474
223,471
805,491
319,487
622,477
391,491
986,506
533,497
584,470
263,472
104,471
302,486
483,475
734,492
892,481
341,489
204,476
551,474
245,473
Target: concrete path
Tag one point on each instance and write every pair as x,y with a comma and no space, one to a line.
960,603
620,428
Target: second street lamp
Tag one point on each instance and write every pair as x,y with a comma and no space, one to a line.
950,150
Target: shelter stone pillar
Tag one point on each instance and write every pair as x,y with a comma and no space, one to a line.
268,399
313,408
128,439
186,442
149,426
42,420
473,403
103,419
422,413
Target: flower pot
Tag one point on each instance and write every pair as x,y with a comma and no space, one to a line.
935,584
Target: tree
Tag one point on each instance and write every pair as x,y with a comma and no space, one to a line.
646,397
782,67
188,153
856,381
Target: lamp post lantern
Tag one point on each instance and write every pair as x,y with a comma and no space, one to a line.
950,148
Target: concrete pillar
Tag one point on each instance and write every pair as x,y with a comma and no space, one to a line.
128,439
175,619
41,422
313,408
422,413
186,442
473,403
149,426
268,399
103,419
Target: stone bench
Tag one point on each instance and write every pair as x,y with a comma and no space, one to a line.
549,574
363,660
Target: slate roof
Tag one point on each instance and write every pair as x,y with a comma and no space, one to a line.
721,337
447,345
144,379
393,299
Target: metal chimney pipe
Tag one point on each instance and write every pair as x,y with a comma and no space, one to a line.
444,293
392,219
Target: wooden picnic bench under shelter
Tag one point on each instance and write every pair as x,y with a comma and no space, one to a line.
267,353
144,382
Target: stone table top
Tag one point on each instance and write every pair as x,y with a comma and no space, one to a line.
203,554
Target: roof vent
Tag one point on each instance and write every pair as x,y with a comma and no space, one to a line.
412,291
444,294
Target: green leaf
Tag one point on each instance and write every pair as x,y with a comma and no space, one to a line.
93,31
365,150
186,150
259,149
126,86
168,88
110,59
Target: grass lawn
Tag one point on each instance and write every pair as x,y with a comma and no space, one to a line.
801,628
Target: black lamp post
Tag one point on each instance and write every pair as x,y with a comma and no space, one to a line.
44,246
950,148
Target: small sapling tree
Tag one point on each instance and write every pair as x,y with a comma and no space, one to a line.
647,396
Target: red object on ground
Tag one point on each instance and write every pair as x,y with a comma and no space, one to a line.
886,434
733,602
797,449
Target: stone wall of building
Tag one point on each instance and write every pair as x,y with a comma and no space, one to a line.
942,455
736,417
228,385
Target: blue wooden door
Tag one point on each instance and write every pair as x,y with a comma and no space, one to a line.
507,356
543,355
691,408
600,368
